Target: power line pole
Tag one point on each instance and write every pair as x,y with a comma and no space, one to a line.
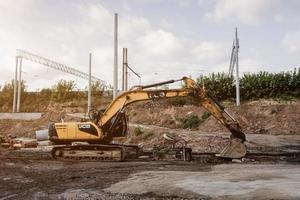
15,86
115,71
19,86
237,69
234,63
124,69
90,84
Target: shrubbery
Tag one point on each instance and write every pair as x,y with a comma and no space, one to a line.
254,86
191,121
284,85
137,131
62,91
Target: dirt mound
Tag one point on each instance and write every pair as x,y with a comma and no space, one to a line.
27,128
255,117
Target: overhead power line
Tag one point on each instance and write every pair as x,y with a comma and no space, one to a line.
55,65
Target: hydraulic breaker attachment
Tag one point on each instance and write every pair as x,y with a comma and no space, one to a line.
235,149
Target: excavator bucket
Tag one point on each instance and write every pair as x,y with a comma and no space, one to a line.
235,149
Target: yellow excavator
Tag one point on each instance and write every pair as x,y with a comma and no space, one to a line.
95,138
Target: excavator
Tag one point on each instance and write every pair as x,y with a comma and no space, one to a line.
94,138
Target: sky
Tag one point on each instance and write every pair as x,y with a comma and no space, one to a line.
166,39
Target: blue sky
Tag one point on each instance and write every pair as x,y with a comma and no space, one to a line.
166,39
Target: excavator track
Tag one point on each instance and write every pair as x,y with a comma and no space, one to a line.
89,152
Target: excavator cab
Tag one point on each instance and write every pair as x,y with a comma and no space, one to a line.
117,127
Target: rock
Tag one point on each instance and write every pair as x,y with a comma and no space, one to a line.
237,160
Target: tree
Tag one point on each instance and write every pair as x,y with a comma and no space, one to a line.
7,93
63,90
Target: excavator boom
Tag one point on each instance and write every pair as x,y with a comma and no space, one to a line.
235,148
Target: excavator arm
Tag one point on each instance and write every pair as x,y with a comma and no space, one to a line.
235,149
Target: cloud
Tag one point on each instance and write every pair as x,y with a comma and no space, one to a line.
207,52
68,30
250,65
69,34
158,43
248,12
131,27
291,41
184,3
66,36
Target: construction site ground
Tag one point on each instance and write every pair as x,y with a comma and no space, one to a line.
270,170
40,177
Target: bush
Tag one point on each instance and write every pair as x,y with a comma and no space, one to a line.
220,85
284,85
64,91
7,93
148,135
205,115
177,101
180,101
137,131
192,121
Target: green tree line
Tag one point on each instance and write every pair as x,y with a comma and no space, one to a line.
284,85
62,91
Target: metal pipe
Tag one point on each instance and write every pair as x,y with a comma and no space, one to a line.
15,86
90,85
19,86
157,84
115,71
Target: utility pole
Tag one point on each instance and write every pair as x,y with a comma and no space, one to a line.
90,85
125,69
15,86
115,71
237,69
234,63
19,85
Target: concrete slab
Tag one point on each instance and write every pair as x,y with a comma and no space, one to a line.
20,116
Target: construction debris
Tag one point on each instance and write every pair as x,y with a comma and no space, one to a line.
12,142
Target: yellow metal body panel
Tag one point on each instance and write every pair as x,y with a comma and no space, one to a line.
78,131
